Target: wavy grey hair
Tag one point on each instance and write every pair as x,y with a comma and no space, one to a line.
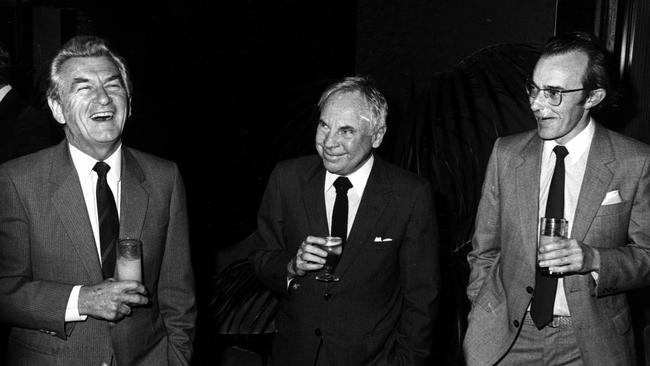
84,46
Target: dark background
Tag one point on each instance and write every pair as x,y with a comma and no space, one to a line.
226,89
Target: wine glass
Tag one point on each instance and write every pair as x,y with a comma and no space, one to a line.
334,247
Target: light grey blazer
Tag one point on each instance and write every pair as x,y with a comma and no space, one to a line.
503,257
47,246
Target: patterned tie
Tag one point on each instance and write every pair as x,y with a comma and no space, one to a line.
109,224
340,212
541,310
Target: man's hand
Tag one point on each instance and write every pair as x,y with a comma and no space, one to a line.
309,257
569,255
111,299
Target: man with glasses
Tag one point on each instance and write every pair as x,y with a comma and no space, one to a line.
573,168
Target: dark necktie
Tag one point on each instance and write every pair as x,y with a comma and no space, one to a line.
541,309
340,212
109,224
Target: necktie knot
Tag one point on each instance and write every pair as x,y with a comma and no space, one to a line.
102,169
560,152
342,185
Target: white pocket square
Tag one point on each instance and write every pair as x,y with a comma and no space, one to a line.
379,239
612,198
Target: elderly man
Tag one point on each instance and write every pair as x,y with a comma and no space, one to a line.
63,209
381,309
575,169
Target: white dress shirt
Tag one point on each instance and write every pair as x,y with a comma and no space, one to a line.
575,165
84,164
358,178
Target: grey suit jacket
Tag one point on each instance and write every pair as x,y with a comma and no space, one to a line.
503,257
47,247
382,310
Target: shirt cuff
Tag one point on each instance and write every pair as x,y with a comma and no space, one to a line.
72,309
594,274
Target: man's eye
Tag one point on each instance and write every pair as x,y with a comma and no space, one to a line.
554,93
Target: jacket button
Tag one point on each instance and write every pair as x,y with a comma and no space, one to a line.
529,289
515,323
318,332
327,296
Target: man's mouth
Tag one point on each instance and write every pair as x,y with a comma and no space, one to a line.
102,116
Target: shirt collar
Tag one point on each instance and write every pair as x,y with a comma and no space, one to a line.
4,90
577,146
84,163
358,178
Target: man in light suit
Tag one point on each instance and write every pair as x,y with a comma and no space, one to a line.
382,309
606,199
56,292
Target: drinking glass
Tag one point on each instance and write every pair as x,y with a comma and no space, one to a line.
128,265
549,229
334,247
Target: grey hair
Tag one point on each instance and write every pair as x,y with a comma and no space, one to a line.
84,46
369,92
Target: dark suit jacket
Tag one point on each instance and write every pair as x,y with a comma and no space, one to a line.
381,312
504,254
47,246
11,107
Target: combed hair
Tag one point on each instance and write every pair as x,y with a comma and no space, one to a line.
366,87
597,73
84,46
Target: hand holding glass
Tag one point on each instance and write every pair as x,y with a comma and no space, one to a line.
334,248
549,230
128,265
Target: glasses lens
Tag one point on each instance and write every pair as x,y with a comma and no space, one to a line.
553,96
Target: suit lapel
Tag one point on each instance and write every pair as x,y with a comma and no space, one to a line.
527,188
69,203
371,207
598,175
314,199
134,197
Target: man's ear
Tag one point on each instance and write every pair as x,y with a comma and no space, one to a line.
378,136
595,97
57,111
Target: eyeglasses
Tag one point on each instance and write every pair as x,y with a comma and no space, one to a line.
552,95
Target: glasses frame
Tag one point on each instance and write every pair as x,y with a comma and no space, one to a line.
548,92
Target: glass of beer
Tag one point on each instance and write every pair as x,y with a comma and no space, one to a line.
549,229
128,265
333,247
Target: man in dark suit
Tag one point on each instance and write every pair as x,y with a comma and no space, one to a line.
11,106
382,309
569,167
24,128
59,226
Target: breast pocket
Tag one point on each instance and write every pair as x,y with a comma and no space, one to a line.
613,210
609,228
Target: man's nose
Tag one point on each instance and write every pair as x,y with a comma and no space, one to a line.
101,96
331,139
536,103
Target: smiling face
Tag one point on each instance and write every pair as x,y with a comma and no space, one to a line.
345,136
563,72
93,105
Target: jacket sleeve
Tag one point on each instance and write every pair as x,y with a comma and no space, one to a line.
486,247
626,265
24,301
269,255
420,280
176,284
